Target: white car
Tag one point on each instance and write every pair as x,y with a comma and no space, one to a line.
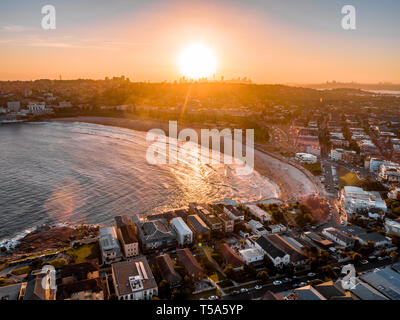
258,287
277,282
364,262
212,298
311,274
243,290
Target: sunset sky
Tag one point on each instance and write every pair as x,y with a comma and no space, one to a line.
270,41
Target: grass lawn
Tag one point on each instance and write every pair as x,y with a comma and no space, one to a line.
84,253
314,168
347,178
21,270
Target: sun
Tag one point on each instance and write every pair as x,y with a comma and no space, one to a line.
197,61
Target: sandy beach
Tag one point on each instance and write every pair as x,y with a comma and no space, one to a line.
292,182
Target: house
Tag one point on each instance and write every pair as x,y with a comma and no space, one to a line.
199,228
156,234
233,213
252,255
277,228
338,237
230,256
297,257
386,281
211,219
122,220
257,227
334,291
376,238
128,240
134,280
315,238
308,293
276,254
35,290
183,233
109,245
167,270
228,223
189,262
257,212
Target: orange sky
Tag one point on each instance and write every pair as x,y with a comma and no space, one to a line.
145,44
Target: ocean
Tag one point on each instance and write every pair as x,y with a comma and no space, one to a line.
55,172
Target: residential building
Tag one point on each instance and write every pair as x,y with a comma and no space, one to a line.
276,254
128,240
386,281
109,245
252,255
211,219
199,228
235,214
13,106
167,270
156,234
134,280
183,233
338,237
230,256
355,199
297,257
390,173
306,158
189,262
376,238
257,227
228,223
277,228
257,212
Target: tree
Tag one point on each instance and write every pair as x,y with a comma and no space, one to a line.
263,276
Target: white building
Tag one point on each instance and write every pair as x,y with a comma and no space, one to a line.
277,228
251,255
13,106
38,109
306,158
354,198
389,173
233,213
257,227
338,237
184,234
109,245
258,212
392,226
134,280
128,240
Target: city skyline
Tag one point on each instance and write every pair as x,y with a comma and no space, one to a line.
261,40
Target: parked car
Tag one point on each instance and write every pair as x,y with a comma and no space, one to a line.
364,262
311,274
277,282
380,258
235,293
212,298
258,287
286,280
302,284
371,257
244,290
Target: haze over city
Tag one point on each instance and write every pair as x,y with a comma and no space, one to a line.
143,40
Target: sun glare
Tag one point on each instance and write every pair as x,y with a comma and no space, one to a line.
197,61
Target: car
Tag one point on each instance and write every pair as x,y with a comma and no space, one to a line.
277,282
244,290
302,284
380,258
258,287
212,298
235,293
371,257
311,274
286,280
364,262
